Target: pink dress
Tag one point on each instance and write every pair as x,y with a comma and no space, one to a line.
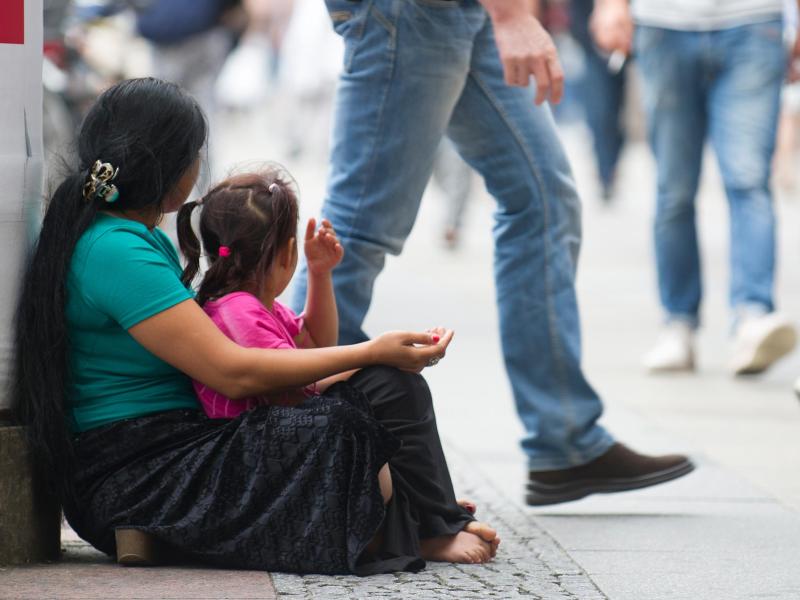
244,319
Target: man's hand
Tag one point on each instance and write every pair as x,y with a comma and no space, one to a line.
611,25
526,48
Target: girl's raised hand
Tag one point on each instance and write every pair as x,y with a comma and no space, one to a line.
322,248
411,351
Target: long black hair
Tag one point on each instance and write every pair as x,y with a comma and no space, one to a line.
253,216
153,133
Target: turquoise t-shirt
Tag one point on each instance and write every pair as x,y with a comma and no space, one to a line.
121,273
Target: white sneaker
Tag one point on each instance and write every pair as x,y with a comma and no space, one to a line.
674,350
760,341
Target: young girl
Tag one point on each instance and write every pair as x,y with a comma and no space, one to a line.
248,228
254,228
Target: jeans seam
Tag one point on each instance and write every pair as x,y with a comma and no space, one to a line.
439,4
558,355
387,25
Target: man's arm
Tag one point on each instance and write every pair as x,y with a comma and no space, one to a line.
612,29
525,48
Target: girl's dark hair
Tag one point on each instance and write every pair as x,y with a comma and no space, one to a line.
253,215
153,132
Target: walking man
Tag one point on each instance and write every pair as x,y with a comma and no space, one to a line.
415,70
711,70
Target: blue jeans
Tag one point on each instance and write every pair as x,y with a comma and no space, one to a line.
413,71
602,95
724,85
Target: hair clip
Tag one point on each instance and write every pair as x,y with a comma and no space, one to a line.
99,186
224,251
273,187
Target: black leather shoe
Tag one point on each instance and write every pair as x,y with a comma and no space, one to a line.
618,470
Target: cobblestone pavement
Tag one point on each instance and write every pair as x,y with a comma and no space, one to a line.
529,564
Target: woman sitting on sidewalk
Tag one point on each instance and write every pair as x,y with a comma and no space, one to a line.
109,338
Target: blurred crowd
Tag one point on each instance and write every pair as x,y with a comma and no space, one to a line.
232,54
235,54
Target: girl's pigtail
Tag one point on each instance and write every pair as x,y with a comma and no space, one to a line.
188,242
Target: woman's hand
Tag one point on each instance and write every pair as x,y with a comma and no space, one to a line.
323,250
411,351
437,333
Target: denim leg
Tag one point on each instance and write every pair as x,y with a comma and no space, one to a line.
405,66
674,77
743,111
514,146
602,95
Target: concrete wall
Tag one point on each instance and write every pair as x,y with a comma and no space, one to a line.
20,154
29,522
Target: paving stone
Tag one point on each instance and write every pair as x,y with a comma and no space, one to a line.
83,573
529,564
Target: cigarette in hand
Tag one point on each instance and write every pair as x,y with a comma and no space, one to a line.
616,61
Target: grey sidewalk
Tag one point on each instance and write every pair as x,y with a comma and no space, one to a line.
729,531
531,565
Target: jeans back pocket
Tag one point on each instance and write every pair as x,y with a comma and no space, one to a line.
347,18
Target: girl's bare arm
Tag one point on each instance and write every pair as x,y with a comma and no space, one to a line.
323,252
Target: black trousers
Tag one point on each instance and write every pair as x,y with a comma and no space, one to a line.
423,496
278,488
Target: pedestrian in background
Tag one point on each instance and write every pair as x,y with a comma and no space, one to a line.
711,71
454,178
602,94
190,40
786,147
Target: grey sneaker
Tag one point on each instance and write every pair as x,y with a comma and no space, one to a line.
674,350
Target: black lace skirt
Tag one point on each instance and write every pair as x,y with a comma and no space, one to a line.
290,489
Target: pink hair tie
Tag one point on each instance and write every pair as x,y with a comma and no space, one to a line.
224,251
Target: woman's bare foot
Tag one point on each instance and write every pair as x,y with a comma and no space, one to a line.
468,505
482,530
486,533
463,547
